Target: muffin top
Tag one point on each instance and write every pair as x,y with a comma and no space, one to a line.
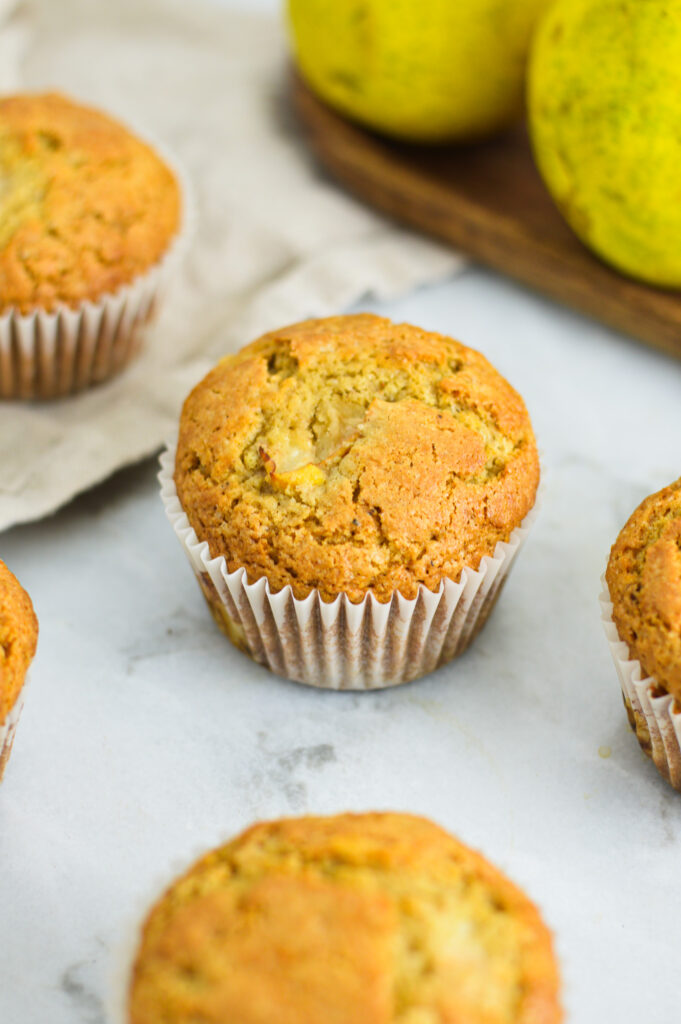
354,919
85,206
644,580
353,454
18,639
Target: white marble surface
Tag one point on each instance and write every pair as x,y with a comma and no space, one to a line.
146,737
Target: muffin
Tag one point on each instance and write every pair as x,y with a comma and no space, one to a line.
642,612
88,213
354,919
18,639
363,486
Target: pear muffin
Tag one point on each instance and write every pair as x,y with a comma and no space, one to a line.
352,454
644,583
18,639
350,457
353,919
86,208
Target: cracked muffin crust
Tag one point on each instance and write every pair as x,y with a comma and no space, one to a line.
352,454
85,206
18,639
644,580
353,919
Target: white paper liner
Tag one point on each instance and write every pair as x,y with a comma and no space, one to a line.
341,645
9,728
656,716
50,355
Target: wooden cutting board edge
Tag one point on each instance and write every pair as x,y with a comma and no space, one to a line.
375,170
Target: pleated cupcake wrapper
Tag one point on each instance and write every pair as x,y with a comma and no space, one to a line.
49,355
655,716
8,729
341,645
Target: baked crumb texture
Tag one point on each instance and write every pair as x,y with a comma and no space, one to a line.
352,454
85,207
355,919
18,639
644,580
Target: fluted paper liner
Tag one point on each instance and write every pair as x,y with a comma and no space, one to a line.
341,645
49,355
654,715
8,729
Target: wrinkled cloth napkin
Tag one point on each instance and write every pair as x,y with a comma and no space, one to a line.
275,240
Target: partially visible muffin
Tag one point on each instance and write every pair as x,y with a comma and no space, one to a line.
644,580
89,218
644,587
353,455
18,640
85,206
354,919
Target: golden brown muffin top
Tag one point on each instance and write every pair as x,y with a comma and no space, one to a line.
644,580
353,454
18,639
85,207
354,919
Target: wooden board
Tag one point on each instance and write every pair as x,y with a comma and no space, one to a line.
488,201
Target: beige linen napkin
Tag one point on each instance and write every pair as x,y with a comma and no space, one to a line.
275,240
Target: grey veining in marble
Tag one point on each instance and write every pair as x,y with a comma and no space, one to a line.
146,737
